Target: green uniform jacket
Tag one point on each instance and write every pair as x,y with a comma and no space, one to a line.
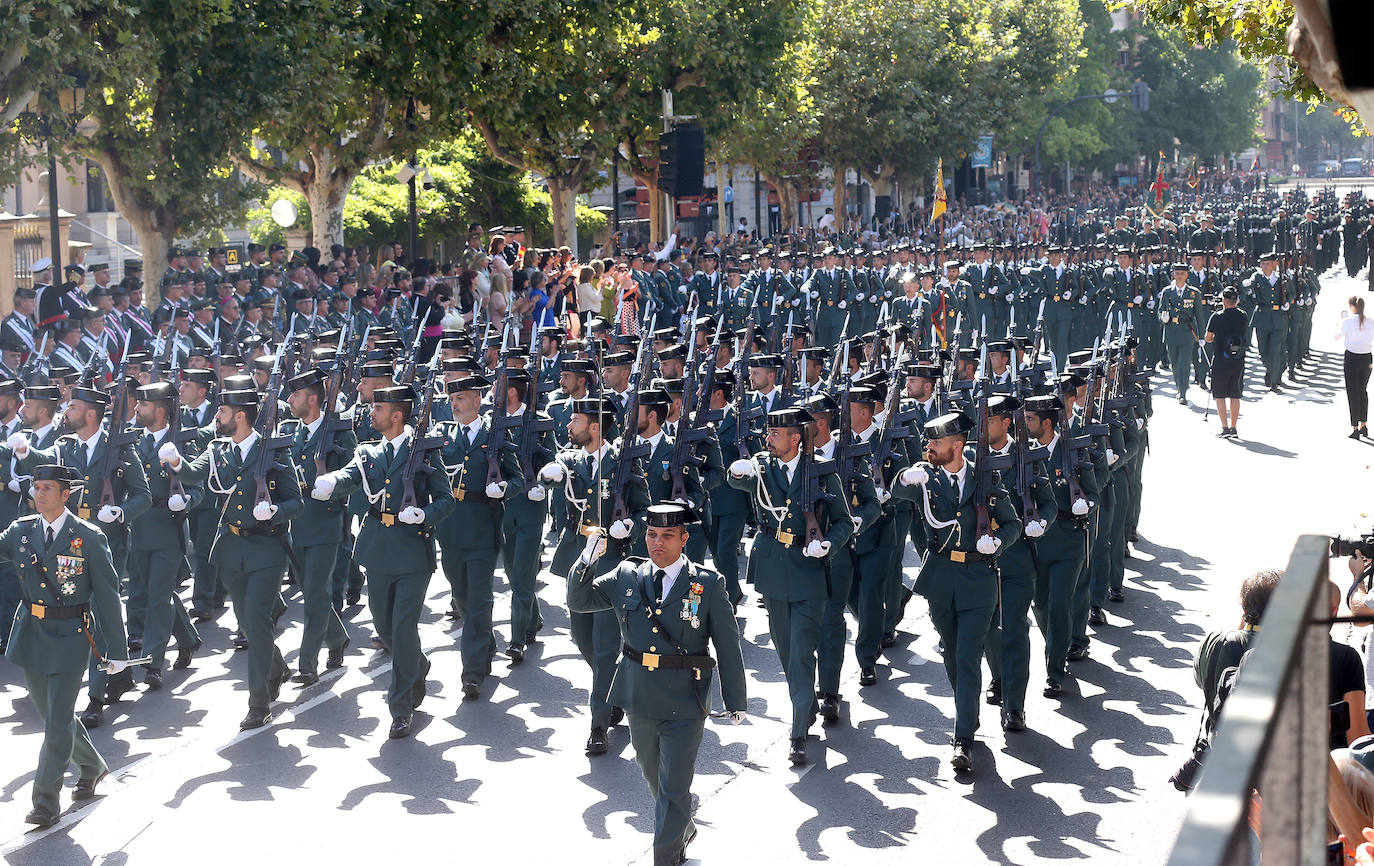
220,467
780,570
130,484
76,570
694,620
161,528
579,488
319,522
475,521
397,548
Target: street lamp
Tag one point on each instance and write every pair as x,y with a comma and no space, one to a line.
1140,101
69,102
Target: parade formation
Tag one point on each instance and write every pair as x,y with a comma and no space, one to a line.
777,422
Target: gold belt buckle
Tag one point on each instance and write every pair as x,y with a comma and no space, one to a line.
458,493
1130,303
1056,297
956,556
650,661
786,537
586,529
84,512
388,519
235,529
38,611
1276,306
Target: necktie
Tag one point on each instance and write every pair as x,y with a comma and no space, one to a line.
658,584
90,452
472,435
954,482
389,452
50,535
672,428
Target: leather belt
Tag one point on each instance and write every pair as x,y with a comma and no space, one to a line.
249,531
783,537
470,496
43,611
387,517
654,661
962,555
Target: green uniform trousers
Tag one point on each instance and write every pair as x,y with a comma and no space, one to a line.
396,602
65,740
165,617
597,636
322,624
1181,365
895,594
255,595
962,628
666,750
795,627
522,533
724,537
834,627
1008,640
1056,583
470,573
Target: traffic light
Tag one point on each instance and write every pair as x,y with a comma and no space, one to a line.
1140,96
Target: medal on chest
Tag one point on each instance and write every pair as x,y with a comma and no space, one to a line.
691,605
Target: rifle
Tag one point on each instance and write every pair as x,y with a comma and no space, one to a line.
789,367
984,462
30,365
117,436
631,450
266,424
1027,455
531,426
501,420
744,415
420,443
814,496
847,450
407,375
896,425
356,352
693,427
331,425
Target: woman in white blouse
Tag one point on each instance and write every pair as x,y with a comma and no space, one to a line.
1358,331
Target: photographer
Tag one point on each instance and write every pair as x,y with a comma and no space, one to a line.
1347,685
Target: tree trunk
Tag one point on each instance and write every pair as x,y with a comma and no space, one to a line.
721,228
563,202
325,196
787,203
156,227
841,218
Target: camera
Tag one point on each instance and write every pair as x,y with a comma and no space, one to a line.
1349,547
1186,777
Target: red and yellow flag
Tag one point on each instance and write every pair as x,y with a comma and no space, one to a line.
938,209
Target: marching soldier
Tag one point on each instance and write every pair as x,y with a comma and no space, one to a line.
790,559
670,612
1182,311
395,543
68,580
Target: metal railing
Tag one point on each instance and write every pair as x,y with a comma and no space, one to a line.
1273,735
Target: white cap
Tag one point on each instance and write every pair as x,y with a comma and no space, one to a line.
41,265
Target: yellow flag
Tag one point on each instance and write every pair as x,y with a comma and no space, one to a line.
938,210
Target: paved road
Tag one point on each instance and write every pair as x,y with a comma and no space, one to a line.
506,777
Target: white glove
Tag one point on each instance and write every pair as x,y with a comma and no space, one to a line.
988,544
1112,457
858,524
1150,304
552,473
1164,317
176,502
264,511
841,305
19,444
1284,308
1139,423
858,297
536,493
168,454
735,716
110,514
13,485
496,490
1035,528
1201,343
1068,296
992,290
742,468
1080,506
324,488
596,545
621,529
113,666
1083,300
817,549
884,495
815,295
411,515
1137,300
914,475
887,294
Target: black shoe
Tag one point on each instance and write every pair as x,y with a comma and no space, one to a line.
184,655
135,643
255,719
1354,434
994,693
617,715
1364,432
516,653
868,676
596,743
41,817
1014,721
1116,595
1053,690
471,691
240,642
306,680
199,614
531,637
453,613
797,752
119,684
830,708
85,788
400,727
1077,653
274,685
1096,616
962,760
152,678
93,716
691,837
1183,401
352,597
419,690
378,643
335,657
889,639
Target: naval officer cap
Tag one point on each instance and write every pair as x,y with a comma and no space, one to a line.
43,392
56,472
820,404
394,394
1003,404
90,395
768,361
951,424
671,514
242,397
1045,405
594,407
301,381
673,352
792,416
